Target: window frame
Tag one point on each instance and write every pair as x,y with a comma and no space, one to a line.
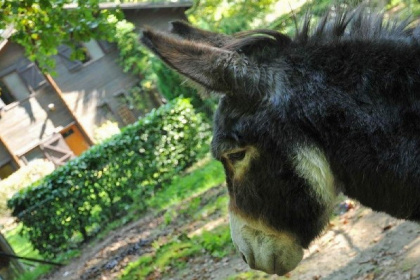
19,67
106,104
10,162
74,65
24,158
10,91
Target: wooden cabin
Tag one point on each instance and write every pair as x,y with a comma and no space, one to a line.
55,118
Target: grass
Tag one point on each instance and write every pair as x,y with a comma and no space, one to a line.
201,177
199,180
23,247
251,275
205,175
173,254
184,201
20,244
217,242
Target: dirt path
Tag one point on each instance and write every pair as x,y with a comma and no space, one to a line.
359,244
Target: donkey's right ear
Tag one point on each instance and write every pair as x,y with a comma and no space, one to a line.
214,68
188,32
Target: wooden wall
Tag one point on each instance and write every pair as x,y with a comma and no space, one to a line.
28,122
25,123
87,91
9,55
95,84
4,155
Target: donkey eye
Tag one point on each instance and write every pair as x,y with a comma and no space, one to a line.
233,157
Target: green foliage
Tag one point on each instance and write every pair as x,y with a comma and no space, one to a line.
22,178
186,201
72,203
220,204
216,242
171,254
140,98
134,58
252,275
182,187
105,130
41,26
21,245
228,16
176,252
35,273
170,83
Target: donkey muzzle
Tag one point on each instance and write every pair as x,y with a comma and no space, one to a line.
263,249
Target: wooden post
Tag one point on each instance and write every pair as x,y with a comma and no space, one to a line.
14,264
60,95
15,159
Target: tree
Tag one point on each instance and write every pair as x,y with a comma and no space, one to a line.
42,25
230,16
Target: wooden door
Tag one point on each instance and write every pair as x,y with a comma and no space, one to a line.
74,139
57,150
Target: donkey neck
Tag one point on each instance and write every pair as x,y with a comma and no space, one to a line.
360,104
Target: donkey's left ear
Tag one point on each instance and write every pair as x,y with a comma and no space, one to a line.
214,68
191,33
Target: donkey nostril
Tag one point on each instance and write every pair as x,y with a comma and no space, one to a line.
243,257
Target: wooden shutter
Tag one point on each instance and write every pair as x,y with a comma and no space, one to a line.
124,112
126,115
64,52
57,150
31,75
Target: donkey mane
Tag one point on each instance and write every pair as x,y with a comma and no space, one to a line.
360,24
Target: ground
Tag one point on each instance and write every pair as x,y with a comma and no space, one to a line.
358,244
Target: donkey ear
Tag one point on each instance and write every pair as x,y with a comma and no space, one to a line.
188,32
214,68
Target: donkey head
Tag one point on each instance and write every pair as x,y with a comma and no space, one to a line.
281,188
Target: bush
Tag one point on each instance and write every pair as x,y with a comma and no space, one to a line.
72,203
105,130
22,178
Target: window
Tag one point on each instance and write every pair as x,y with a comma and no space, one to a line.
6,96
94,50
125,108
91,50
105,113
12,89
107,46
31,75
6,170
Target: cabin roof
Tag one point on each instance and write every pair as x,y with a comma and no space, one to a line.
5,35
141,6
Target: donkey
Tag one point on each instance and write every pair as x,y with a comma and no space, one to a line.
334,109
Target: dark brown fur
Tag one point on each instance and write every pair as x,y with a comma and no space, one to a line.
349,86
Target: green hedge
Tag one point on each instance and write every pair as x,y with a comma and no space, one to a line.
71,204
